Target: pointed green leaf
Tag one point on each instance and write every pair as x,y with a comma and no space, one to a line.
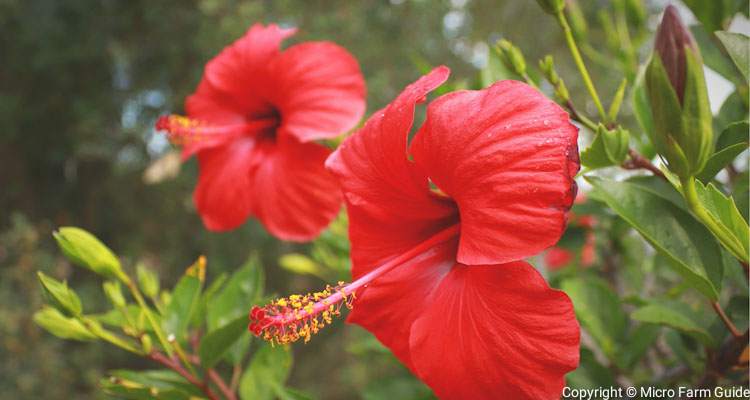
672,231
60,295
268,369
217,342
737,46
725,213
599,310
674,315
241,292
734,133
720,160
178,313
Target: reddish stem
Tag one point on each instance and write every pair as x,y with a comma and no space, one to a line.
725,319
175,365
637,161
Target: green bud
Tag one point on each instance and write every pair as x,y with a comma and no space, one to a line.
552,6
61,326
610,147
676,88
511,56
113,292
147,280
59,295
85,250
146,343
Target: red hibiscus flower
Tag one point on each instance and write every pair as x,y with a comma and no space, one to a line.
439,229
558,257
253,122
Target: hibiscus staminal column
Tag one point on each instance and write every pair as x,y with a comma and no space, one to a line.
184,131
289,319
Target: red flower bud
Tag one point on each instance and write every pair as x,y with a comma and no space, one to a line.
671,39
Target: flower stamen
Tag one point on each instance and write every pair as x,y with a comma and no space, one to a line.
184,131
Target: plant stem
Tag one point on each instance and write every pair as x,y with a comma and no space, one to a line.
637,161
109,337
175,366
725,319
152,321
579,63
725,237
578,117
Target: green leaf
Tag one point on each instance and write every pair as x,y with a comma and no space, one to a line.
734,133
640,101
301,264
635,347
714,56
217,342
737,46
674,315
61,326
153,384
673,232
60,295
608,148
268,369
185,300
719,160
711,14
160,379
147,280
741,194
725,213
241,292
599,311
590,373
85,250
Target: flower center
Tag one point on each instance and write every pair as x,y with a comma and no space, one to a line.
184,131
289,319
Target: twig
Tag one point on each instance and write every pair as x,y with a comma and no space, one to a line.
723,360
219,382
236,374
637,161
174,365
725,319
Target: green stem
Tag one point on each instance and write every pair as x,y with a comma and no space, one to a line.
722,234
579,63
109,337
152,321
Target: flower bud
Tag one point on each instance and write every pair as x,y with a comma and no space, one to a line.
85,250
511,56
114,293
676,86
672,38
61,326
147,280
60,295
552,6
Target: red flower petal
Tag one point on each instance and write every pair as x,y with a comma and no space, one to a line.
388,200
318,89
507,156
495,332
390,304
296,198
239,70
224,195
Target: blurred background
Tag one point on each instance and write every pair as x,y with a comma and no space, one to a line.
81,84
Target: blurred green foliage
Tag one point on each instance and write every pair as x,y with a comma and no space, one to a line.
81,83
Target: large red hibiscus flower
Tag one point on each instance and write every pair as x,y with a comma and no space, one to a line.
253,123
439,229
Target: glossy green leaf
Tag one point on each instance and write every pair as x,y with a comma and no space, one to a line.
216,343
268,369
59,295
713,55
639,340
734,133
720,160
185,300
61,326
599,311
674,315
725,213
672,231
738,47
241,292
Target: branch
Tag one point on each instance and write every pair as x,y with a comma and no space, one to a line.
637,161
723,360
176,367
725,319
216,379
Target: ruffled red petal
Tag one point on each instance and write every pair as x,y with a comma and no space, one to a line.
318,89
507,155
495,332
224,194
295,196
390,206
